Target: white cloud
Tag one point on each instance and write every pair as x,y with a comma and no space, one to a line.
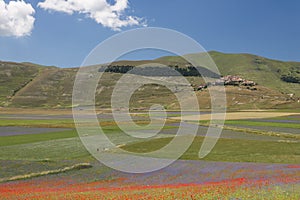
101,11
16,18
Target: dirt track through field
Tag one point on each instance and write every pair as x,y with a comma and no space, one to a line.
235,115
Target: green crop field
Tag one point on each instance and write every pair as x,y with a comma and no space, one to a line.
28,139
260,123
51,123
56,156
66,145
232,150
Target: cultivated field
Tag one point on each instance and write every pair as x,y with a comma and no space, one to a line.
41,156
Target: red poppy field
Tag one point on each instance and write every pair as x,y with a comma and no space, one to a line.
261,182
283,188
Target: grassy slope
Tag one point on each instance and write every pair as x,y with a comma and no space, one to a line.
53,87
262,70
13,77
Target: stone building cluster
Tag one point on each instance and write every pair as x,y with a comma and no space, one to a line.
229,80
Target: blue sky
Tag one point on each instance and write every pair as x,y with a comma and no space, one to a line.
264,27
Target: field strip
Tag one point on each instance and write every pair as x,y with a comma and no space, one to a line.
49,172
268,133
234,116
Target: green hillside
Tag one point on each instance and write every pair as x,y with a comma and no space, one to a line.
15,76
30,85
266,72
278,75
52,88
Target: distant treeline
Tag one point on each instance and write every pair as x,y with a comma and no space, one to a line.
292,77
160,71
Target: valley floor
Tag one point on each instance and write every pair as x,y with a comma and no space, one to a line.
255,158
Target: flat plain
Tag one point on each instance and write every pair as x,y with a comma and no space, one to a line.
244,157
